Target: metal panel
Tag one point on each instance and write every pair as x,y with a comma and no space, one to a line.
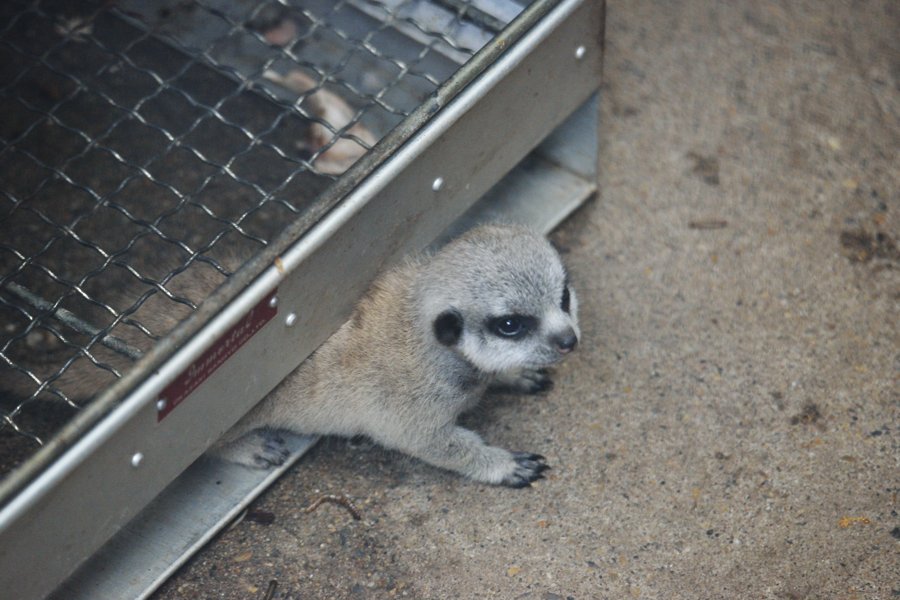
554,180
99,484
197,505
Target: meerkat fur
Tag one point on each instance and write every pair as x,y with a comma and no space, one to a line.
493,308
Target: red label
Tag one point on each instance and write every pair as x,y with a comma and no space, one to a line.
214,357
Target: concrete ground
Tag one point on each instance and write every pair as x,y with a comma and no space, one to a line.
730,426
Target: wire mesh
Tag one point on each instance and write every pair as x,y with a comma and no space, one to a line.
148,148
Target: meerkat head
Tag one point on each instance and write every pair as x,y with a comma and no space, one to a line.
500,297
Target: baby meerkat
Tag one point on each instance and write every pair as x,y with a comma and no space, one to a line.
492,308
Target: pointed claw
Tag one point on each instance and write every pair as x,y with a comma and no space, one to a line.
519,484
528,456
530,468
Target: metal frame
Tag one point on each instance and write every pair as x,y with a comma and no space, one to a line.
398,198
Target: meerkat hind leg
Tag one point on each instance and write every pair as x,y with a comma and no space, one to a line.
458,449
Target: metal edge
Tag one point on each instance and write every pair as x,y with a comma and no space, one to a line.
270,478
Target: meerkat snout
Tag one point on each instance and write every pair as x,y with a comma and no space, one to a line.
566,342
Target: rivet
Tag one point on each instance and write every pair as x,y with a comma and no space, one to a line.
290,319
437,184
137,459
161,405
580,51
273,301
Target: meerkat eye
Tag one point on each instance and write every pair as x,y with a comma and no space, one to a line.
508,326
511,326
565,299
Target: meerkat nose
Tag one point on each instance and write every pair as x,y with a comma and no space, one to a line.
566,342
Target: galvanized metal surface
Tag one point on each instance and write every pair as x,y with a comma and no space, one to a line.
548,185
207,497
400,189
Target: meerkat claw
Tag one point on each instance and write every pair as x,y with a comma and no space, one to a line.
529,468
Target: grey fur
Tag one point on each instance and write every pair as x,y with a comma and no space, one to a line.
394,375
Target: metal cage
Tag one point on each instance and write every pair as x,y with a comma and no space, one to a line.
277,152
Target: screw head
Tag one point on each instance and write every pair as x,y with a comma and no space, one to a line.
273,301
580,51
136,459
290,319
161,405
437,184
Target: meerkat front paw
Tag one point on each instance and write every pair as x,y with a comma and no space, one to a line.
273,453
512,469
529,468
527,381
463,451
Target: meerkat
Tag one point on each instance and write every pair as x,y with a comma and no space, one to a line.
493,308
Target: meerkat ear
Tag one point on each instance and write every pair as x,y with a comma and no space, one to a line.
448,327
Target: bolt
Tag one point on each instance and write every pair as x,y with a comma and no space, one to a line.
290,319
273,301
161,405
137,459
437,184
580,51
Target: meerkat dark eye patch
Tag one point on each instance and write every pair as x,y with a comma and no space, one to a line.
448,327
512,326
566,299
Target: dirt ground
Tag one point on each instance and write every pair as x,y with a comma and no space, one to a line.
730,425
